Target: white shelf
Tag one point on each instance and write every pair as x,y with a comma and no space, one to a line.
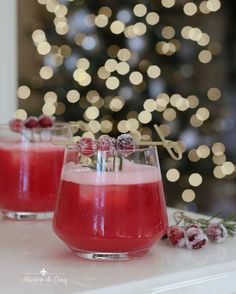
28,247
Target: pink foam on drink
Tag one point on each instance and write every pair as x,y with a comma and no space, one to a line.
131,174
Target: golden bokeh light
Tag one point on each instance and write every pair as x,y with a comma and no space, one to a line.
173,175
145,117
169,114
49,109
94,126
218,173
205,56
203,151
202,114
188,195
23,92
136,78
73,96
21,114
117,27
112,83
106,11
50,97
123,126
38,36
82,77
92,112
122,68
168,32
106,126
46,72
101,20
154,71
140,10
195,179
219,159
152,18
190,8
110,65
150,105
168,3
218,148
83,63
43,48
214,94
124,54
103,73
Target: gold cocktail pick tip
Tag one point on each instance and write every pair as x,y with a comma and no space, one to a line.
172,147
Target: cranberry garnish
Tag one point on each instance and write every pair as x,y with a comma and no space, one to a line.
195,238
16,124
176,236
107,144
31,122
86,146
45,121
125,144
216,233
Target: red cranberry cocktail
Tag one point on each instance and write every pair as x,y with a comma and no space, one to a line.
110,206
30,168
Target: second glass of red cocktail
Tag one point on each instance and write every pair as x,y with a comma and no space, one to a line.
30,167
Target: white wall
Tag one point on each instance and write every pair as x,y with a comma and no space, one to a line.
8,59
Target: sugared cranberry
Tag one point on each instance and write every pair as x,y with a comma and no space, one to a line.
107,144
125,144
176,236
45,121
86,146
195,238
216,233
16,124
31,122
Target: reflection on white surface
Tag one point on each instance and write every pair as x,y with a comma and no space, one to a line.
32,246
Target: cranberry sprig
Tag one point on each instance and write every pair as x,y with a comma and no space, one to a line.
194,233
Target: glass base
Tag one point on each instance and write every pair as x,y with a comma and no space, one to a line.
109,256
18,215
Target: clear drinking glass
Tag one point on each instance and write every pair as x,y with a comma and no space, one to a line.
110,208
30,167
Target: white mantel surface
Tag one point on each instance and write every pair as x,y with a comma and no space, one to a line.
28,247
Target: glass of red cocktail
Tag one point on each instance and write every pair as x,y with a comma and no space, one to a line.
110,207
30,167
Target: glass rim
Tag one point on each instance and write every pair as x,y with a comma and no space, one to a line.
56,126
74,147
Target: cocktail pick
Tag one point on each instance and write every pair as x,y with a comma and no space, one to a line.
172,147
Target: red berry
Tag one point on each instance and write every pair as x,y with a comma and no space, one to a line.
176,236
125,144
216,233
16,125
106,143
195,238
86,146
45,121
31,122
